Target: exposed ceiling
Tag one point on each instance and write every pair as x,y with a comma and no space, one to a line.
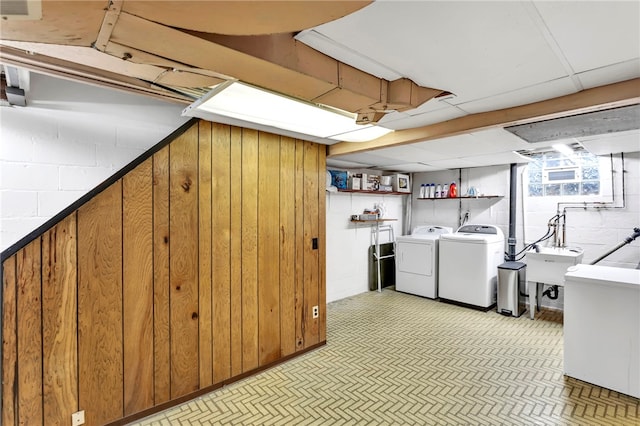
446,76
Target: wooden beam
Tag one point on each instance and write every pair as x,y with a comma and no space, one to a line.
596,99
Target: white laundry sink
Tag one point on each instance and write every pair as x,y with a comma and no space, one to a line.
549,264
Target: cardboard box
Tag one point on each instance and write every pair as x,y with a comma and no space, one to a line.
401,183
372,183
355,183
338,179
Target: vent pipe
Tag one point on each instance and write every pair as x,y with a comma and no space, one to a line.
513,194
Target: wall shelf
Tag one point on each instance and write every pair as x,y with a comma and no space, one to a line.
362,191
373,220
463,198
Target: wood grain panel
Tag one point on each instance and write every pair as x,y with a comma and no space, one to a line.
29,326
183,219
322,239
9,342
236,251
249,249
299,237
137,195
204,254
221,142
100,307
268,247
161,348
311,273
59,321
287,247
194,268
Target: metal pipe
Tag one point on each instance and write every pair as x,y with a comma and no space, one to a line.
513,194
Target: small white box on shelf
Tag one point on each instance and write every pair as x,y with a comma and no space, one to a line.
401,183
354,183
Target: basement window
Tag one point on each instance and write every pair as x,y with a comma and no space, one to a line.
553,174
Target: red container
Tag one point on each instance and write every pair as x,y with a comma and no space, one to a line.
453,190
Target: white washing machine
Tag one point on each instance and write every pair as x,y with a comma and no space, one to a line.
469,260
417,261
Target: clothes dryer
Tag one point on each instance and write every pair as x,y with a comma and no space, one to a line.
417,261
469,260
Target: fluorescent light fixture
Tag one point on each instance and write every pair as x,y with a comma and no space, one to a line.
256,108
563,149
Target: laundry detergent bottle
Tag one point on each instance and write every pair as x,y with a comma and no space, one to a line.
453,190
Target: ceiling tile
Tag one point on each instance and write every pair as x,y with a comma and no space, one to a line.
411,168
399,121
472,49
409,153
527,95
478,143
612,143
455,163
496,159
593,34
342,164
368,158
610,74
336,50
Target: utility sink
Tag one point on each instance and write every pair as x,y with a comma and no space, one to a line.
549,264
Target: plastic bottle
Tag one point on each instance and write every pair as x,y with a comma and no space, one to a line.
421,195
432,190
438,191
453,190
445,191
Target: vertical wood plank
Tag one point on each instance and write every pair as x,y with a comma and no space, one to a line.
221,142
249,249
268,247
59,321
299,238
9,342
236,251
183,222
311,273
137,191
100,306
287,247
161,350
322,240
29,325
204,254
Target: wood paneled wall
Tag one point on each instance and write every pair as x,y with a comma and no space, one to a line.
192,269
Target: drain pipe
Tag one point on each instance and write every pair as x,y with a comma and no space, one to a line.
513,194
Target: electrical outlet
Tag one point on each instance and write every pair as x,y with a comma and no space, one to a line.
77,418
315,311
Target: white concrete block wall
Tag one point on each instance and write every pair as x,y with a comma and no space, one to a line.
348,243
69,138
594,230
490,211
597,230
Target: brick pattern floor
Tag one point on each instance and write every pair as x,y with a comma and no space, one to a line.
397,359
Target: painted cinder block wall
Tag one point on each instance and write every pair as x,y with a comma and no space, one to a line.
348,243
71,137
594,230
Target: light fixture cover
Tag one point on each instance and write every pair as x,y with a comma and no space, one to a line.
252,107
